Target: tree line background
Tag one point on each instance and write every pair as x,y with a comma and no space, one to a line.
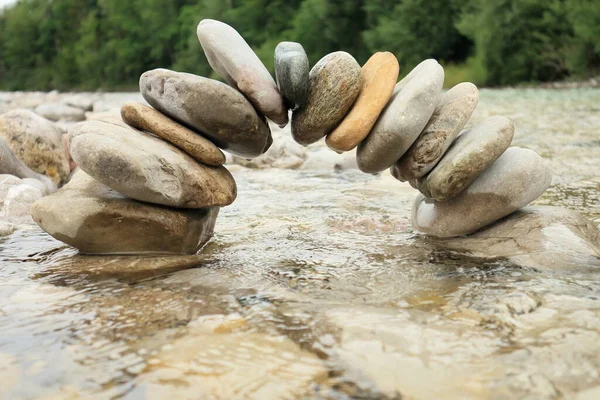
107,44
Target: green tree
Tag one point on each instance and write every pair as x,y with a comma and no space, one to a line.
519,40
415,30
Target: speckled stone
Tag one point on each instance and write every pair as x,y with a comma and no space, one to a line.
404,118
147,168
95,219
380,74
471,154
291,72
37,142
334,83
150,120
232,58
10,164
454,109
516,179
214,109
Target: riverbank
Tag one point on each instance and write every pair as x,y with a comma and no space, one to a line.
315,286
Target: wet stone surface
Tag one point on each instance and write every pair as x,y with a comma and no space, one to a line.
317,280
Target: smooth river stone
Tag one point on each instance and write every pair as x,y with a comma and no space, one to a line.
291,73
334,83
147,168
471,154
37,142
95,219
10,164
454,109
380,75
214,109
232,58
516,179
148,119
404,118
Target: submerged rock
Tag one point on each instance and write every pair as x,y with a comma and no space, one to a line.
380,74
471,154
214,109
291,73
538,237
95,219
231,57
37,142
334,83
454,109
516,179
150,120
149,169
212,362
404,118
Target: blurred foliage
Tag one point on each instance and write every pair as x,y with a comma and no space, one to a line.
107,44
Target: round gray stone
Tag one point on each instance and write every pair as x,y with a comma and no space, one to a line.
334,83
516,179
214,109
454,109
95,219
232,58
404,118
471,154
147,168
291,73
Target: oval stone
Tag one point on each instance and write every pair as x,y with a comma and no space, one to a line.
333,85
9,164
214,109
516,179
380,74
37,142
95,219
404,118
291,73
454,109
150,120
233,59
147,168
471,154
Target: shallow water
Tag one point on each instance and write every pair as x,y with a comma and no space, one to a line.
315,286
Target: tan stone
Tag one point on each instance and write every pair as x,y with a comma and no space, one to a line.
148,169
95,219
380,75
148,119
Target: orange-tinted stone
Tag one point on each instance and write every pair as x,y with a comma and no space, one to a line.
380,74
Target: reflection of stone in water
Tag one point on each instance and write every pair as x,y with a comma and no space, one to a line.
239,365
69,263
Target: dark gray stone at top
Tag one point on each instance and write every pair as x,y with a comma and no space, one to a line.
291,73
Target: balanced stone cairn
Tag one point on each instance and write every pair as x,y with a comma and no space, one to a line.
154,183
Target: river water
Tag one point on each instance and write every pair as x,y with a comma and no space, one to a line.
315,286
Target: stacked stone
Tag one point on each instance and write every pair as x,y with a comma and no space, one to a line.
154,183
468,180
